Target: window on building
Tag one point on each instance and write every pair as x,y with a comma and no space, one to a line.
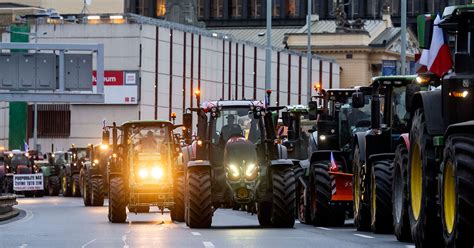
276,8
160,8
411,10
54,121
395,7
217,8
354,9
293,8
432,6
142,7
200,8
373,9
255,9
236,8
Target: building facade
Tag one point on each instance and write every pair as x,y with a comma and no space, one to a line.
152,69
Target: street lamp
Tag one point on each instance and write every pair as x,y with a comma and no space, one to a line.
309,57
268,54
403,37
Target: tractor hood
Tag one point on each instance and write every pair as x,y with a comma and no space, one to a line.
239,150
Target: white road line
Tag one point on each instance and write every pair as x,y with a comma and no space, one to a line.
410,246
88,243
196,233
23,246
208,244
324,228
363,236
297,222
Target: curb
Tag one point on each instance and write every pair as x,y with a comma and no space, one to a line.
12,214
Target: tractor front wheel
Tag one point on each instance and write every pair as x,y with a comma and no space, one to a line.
401,222
303,204
199,201
65,185
53,186
361,206
117,200
97,191
177,213
76,187
85,188
381,197
284,197
456,191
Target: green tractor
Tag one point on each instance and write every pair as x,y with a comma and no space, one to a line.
21,176
236,159
143,170
440,168
93,174
70,163
374,150
50,172
324,189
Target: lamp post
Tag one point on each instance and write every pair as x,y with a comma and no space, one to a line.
308,52
268,54
403,37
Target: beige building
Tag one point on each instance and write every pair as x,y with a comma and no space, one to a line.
362,52
73,6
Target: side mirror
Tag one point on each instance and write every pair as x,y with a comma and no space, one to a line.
358,100
410,93
312,110
105,137
285,117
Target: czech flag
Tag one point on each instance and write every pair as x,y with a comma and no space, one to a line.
438,58
333,166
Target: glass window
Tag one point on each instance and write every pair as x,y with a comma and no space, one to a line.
395,7
236,8
293,8
373,9
354,8
411,10
160,8
276,8
217,8
149,139
400,114
255,9
235,123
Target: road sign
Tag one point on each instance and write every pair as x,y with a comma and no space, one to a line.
27,182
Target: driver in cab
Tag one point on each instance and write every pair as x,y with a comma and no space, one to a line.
148,143
231,129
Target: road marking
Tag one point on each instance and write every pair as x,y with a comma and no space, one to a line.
196,233
88,243
208,244
410,246
363,236
324,228
297,222
23,246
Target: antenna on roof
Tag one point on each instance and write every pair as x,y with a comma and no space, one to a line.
85,10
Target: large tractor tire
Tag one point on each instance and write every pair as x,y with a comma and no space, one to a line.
361,204
381,196
117,200
76,187
303,203
139,209
97,191
85,189
177,213
199,201
322,212
53,186
65,185
422,185
284,197
264,213
457,191
401,221
9,185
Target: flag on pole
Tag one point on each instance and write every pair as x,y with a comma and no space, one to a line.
438,58
333,163
25,146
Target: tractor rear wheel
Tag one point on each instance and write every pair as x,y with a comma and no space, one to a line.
422,185
284,197
401,222
457,191
76,187
361,205
381,196
199,199
53,186
303,203
97,191
322,213
117,200
65,185
177,213
85,188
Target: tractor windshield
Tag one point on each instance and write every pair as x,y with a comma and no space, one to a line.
235,122
61,158
353,119
400,114
149,139
20,160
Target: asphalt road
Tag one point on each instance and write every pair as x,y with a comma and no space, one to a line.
65,222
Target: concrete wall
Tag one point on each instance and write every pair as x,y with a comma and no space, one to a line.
133,47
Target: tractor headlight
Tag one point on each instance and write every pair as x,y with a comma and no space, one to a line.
234,172
143,173
96,161
157,172
251,171
322,137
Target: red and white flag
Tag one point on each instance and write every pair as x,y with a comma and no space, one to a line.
438,58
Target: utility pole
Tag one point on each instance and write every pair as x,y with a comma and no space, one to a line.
35,118
403,54
308,52
268,57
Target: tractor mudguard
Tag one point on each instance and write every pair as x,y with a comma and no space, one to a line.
404,139
188,154
282,151
304,180
341,184
281,162
360,140
199,163
380,156
462,127
430,102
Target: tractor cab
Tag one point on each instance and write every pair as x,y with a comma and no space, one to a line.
18,162
293,131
